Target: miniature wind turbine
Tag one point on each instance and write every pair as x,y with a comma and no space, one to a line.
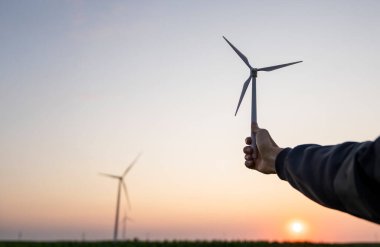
252,77
121,186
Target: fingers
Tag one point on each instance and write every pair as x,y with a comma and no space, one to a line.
248,140
250,153
248,150
249,157
250,164
260,157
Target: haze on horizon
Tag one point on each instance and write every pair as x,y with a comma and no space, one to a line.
87,85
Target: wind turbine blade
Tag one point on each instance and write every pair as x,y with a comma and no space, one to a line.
241,55
131,165
277,66
126,194
109,175
245,86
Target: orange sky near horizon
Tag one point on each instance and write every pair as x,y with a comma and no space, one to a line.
187,215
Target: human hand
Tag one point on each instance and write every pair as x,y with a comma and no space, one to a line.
264,158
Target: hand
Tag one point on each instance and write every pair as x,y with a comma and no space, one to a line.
266,153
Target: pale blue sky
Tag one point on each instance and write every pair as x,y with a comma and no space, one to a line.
86,85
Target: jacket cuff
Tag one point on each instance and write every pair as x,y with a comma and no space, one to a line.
280,163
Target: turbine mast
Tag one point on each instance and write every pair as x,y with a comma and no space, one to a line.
254,113
117,212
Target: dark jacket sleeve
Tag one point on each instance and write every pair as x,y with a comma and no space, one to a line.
345,177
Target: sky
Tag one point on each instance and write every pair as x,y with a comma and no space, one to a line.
85,86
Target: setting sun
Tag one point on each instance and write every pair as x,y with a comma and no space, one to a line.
297,229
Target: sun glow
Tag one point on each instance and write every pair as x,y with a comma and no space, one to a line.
297,229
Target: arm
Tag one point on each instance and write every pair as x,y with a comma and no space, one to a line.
345,177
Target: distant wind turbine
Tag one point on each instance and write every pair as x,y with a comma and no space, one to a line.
253,76
121,186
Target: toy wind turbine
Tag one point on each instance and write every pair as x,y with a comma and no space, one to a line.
252,77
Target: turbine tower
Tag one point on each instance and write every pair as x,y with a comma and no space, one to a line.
252,77
121,186
124,224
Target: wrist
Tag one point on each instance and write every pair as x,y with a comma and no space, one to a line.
275,153
280,162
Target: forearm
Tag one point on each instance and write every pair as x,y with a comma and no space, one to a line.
344,177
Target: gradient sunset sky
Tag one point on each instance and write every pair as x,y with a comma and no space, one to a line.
87,85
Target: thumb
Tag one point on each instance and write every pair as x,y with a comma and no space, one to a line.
264,140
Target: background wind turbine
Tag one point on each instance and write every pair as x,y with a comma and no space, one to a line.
252,77
121,186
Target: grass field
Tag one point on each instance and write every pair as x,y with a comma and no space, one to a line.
176,244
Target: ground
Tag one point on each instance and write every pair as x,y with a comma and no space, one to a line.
176,244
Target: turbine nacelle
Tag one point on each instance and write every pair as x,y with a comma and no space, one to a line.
254,72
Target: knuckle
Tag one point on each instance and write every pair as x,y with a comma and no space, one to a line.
248,157
263,131
247,150
248,140
249,164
